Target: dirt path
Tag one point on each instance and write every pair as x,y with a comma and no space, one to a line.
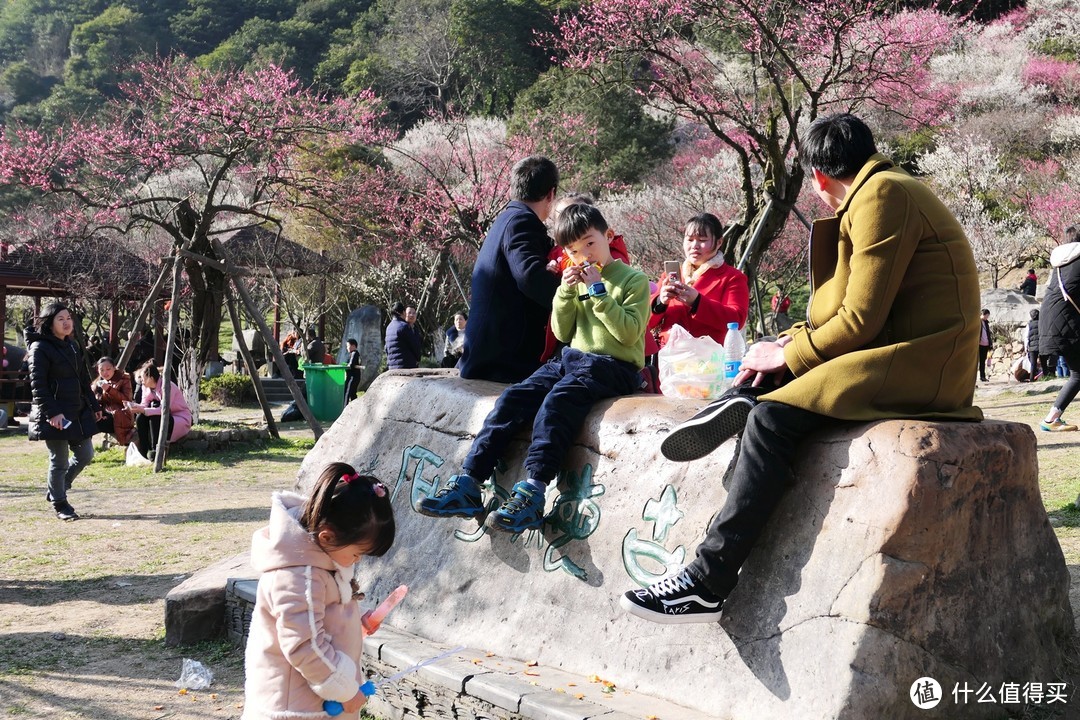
81,604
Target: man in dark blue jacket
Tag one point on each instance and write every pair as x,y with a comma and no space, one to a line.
512,288
403,347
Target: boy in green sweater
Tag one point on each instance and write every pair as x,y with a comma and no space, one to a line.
601,310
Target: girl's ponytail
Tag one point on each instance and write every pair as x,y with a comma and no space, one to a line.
355,508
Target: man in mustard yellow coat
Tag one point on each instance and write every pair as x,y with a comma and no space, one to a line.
892,331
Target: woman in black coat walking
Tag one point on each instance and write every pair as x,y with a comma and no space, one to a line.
64,410
1059,324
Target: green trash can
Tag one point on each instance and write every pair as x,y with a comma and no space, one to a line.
325,390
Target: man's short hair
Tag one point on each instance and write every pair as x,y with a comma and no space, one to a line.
397,308
533,178
985,311
837,145
1072,234
576,220
351,341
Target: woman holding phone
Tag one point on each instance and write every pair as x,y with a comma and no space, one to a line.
64,410
702,293
148,413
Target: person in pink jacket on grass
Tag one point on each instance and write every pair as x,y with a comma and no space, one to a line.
307,628
148,411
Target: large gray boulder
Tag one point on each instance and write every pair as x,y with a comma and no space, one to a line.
904,550
1008,307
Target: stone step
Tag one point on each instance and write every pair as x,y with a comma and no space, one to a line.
278,391
472,683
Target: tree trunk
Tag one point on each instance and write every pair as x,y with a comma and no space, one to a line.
129,349
166,376
208,297
188,374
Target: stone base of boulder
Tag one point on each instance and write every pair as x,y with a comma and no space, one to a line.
195,609
904,550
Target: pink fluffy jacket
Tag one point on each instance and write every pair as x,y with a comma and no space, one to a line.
305,639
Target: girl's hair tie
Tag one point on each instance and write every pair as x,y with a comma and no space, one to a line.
376,488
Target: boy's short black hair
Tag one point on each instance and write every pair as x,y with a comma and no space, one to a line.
837,145
532,178
351,341
576,220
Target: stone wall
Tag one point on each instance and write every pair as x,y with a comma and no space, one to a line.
218,440
905,549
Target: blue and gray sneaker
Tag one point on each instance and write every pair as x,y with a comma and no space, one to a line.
523,511
459,497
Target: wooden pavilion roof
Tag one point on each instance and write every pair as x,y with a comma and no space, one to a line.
258,250
102,272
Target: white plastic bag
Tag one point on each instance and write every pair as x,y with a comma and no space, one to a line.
691,367
134,457
194,676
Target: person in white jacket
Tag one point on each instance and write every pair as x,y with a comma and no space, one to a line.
306,629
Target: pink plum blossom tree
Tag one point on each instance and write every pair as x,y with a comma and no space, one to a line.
191,153
755,74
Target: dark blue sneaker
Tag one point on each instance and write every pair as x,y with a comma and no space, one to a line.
523,511
459,497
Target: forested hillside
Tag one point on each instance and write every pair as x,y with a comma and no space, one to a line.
60,56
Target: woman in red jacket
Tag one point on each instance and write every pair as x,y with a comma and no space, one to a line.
707,293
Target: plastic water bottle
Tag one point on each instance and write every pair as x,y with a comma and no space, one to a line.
734,350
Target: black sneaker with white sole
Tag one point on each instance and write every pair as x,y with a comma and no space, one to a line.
64,511
706,431
674,600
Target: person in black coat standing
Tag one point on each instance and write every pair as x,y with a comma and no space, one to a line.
64,411
1059,324
512,287
1037,361
403,347
986,343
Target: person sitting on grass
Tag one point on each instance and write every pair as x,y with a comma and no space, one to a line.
605,332
891,330
148,412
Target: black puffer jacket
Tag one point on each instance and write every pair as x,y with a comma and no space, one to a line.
1059,322
59,384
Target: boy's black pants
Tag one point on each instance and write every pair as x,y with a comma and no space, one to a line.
555,399
763,471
